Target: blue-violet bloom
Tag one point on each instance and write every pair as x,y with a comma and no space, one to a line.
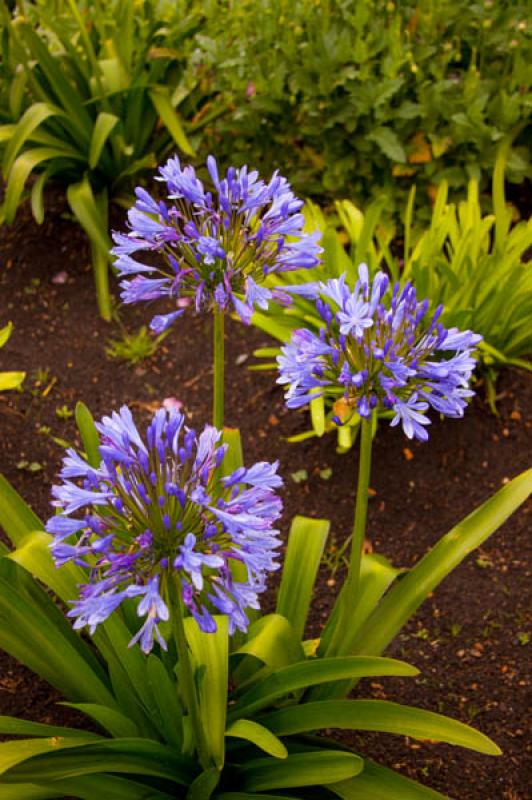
214,245
378,349
156,510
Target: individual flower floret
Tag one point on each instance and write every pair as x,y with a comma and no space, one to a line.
377,349
215,246
156,510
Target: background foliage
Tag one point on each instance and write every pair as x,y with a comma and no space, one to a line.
368,96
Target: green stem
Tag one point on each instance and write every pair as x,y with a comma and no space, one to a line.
186,672
100,265
218,383
348,595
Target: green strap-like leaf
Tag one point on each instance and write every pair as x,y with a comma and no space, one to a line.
317,415
34,554
298,770
22,750
39,761
29,791
11,726
407,595
379,783
23,167
314,672
103,127
31,119
82,201
260,736
164,691
34,631
270,645
204,785
111,720
89,434
5,333
250,796
106,787
16,517
377,715
68,98
376,575
10,380
160,98
306,541
210,652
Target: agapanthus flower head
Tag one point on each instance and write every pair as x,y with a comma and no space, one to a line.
157,510
215,244
378,347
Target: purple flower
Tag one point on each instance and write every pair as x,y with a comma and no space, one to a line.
215,247
377,349
157,511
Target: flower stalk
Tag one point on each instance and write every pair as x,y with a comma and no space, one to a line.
218,369
348,596
175,591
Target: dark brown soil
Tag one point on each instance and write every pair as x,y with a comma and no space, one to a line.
470,640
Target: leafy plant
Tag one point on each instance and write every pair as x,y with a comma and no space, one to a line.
259,696
134,347
99,95
362,99
9,380
473,264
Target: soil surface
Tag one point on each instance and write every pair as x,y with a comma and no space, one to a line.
471,638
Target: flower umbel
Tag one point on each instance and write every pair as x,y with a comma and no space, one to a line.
156,510
377,349
213,246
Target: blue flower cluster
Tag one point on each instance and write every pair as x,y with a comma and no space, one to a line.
214,247
377,349
157,511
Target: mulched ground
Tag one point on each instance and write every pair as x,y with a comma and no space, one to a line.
470,640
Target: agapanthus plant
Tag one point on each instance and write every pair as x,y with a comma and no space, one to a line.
214,246
155,521
206,719
378,349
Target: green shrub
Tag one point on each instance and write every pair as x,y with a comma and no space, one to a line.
363,98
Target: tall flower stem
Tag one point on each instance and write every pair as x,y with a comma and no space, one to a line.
187,675
348,596
218,365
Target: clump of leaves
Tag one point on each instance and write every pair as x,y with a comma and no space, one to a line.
134,347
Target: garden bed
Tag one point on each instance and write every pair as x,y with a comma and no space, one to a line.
470,640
